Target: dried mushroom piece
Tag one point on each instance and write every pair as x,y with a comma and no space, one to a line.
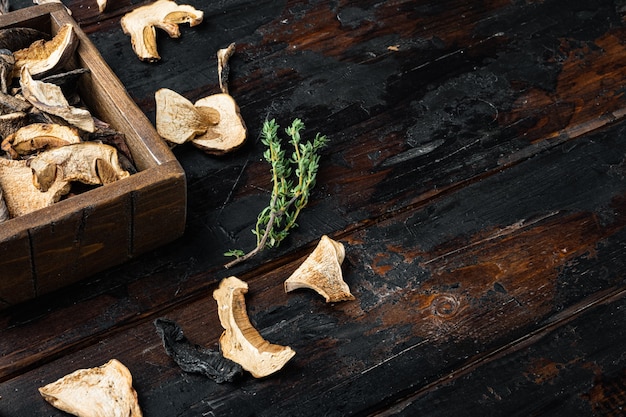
11,104
102,5
140,24
229,134
4,211
194,358
106,390
42,56
37,137
178,120
321,271
240,342
86,162
7,64
49,98
10,123
20,194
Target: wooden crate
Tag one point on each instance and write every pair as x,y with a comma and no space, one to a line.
84,234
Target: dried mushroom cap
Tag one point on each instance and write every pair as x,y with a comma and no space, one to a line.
178,120
39,136
7,64
140,24
240,342
104,391
86,162
10,123
42,56
321,271
49,98
20,194
229,134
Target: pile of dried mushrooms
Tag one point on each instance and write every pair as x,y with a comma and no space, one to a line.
48,138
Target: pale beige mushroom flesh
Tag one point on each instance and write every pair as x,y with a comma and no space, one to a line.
49,98
229,134
140,24
104,391
240,341
42,56
321,271
178,120
36,137
20,194
87,162
102,5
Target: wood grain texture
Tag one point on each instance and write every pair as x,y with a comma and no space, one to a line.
476,176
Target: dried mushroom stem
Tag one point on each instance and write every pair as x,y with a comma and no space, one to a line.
240,342
95,392
321,271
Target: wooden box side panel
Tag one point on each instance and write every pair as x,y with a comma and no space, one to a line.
81,244
16,283
162,203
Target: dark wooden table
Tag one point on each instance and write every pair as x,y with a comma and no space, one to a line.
476,175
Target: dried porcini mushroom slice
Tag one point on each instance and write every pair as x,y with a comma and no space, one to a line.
194,358
86,162
10,104
4,211
321,271
49,98
20,194
106,390
140,24
178,120
7,64
39,136
229,134
42,56
240,342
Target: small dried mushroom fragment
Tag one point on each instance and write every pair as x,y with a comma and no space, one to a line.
37,137
87,162
106,390
17,38
49,98
102,5
240,342
194,358
178,120
140,24
42,56
321,271
12,122
20,194
4,211
7,64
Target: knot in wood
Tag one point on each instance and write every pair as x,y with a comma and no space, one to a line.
445,306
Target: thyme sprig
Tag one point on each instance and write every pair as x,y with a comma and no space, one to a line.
293,178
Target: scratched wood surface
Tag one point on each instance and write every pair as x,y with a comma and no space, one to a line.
476,176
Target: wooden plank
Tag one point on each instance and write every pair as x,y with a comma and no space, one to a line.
462,280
